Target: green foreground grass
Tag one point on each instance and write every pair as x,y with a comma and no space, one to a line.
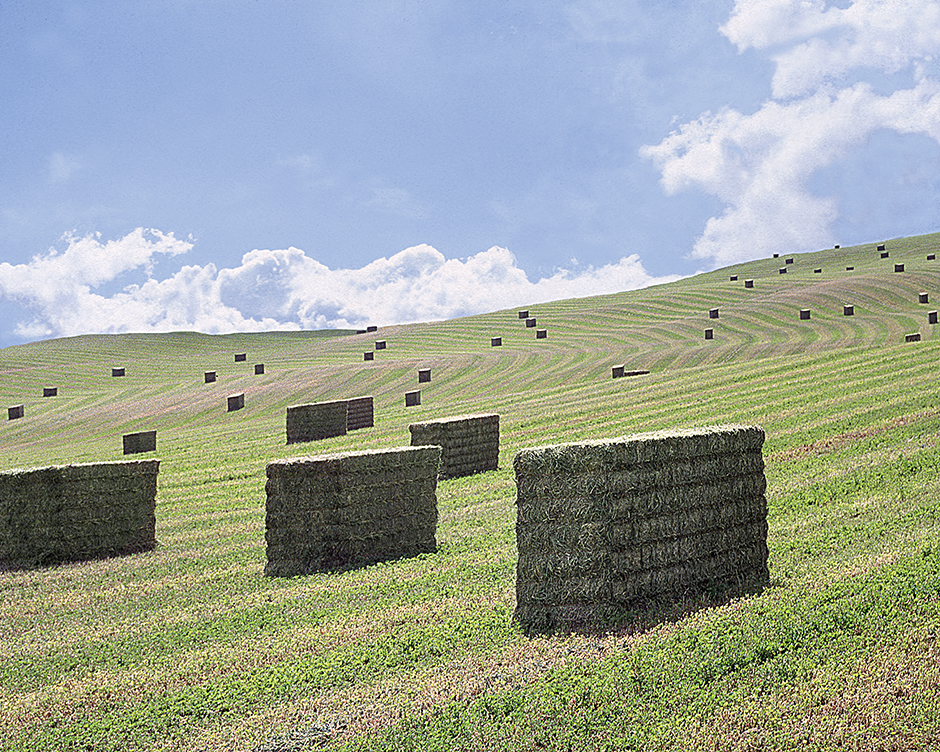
191,647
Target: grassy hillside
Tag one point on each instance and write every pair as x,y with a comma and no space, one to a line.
191,647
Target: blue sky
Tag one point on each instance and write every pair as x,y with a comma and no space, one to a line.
221,166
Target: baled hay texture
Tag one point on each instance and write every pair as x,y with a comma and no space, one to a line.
604,526
351,509
469,443
360,413
76,512
320,420
143,441
235,401
50,391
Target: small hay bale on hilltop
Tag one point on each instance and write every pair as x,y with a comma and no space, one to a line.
259,369
541,333
899,267
50,391
915,337
804,314
848,310
235,401
923,297
338,511
469,443
424,375
931,317
605,527
749,284
15,412
117,373
241,357
209,377
142,441
413,398
317,421
69,513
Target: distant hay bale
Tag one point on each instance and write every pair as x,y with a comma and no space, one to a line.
899,267
915,337
50,391
817,271
837,247
15,412
236,401
67,513
117,373
209,376
931,317
635,373
523,315
368,356
605,527
788,261
848,310
142,441
372,328
923,297
413,399
850,268
317,421
804,314
931,256
541,333
241,357
496,341
360,331
259,369
346,510
776,255
469,443
749,283
616,372
884,254
709,334
381,344
881,247
782,270
530,323
734,277
360,413
713,313
424,375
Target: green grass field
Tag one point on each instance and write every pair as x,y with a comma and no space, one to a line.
190,647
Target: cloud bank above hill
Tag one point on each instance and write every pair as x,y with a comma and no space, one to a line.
841,75
276,289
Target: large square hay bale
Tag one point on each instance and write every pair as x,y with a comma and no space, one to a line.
142,441
209,377
604,527
469,443
346,510
235,401
317,421
50,391
75,512
15,412
360,413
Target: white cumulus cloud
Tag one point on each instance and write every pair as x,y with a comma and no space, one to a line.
760,164
279,289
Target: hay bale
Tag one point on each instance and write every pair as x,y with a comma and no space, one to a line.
749,283
709,334
782,270
469,443
776,255
837,247
360,413
931,317
338,511
117,373
241,357
788,261
424,375
320,420
15,412
713,313
848,310
850,268
236,401
68,513
368,356
884,254
209,377
804,314
603,527
50,391
523,315
616,372
541,333
496,341
372,328
817,271
142,441
530,323
931,256
259,369
360,331
923,297
635,373
899,267
734,277
380,344
915,337
881,247
413,399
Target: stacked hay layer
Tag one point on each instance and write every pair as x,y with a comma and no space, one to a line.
143,441
603,526
347,510
360,413
469,443
320,420
75,512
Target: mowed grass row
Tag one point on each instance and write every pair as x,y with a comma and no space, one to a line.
190,647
